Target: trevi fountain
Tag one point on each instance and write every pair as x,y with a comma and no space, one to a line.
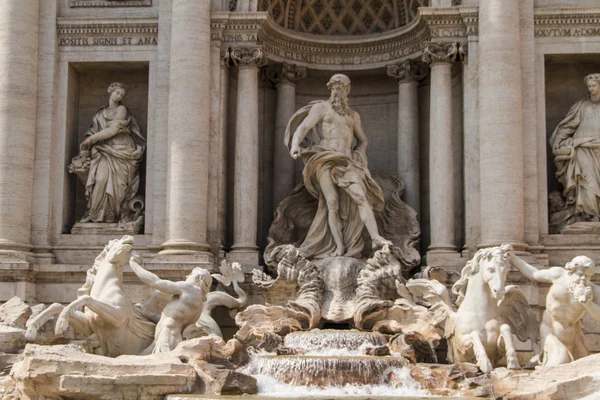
268,199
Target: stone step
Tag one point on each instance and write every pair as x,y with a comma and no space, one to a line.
258,397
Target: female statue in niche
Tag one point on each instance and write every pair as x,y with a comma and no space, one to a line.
112,150
576,147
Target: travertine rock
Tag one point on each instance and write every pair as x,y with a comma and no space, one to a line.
222,381
15,313
12,340
577,380
67,371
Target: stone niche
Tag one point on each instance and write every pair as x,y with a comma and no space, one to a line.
87,92
564,87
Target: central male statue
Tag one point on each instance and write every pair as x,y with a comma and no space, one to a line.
336,173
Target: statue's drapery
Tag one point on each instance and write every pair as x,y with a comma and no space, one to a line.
345,171
578,163
113,178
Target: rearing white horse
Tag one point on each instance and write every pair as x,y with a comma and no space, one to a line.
109,313
480,331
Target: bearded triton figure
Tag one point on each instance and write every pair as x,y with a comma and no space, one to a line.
113,157
576,147
570,296
322,134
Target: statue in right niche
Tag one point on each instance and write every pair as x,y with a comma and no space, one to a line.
576,147
108,163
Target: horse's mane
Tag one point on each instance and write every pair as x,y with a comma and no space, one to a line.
471,268
90,275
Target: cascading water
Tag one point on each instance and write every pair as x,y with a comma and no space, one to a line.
333,363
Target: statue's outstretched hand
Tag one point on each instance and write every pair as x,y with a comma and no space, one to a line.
135,258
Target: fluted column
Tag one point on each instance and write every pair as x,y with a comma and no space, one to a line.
441,56
284,77
245,183
500,119
188,135
408,74
18,92
217,176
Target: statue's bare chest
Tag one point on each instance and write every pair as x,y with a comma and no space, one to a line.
337,125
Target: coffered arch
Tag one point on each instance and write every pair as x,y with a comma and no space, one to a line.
342,17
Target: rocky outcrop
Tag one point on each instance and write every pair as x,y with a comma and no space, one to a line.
577,380
15,312
66,371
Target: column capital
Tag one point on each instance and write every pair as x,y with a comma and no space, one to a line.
436,52
225,57
408,71
248,57
285,73
463,52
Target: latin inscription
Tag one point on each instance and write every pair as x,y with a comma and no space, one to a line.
235,38
567,32
310,58
107,41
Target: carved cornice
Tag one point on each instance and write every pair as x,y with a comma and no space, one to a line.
285,73
451,23
409,70
435,52
110,3
107,28
564,22
248,57
340,53
88,32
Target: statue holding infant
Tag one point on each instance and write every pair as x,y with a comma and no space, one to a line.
108,163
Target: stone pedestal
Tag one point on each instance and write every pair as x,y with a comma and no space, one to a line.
500,119
189,114
245,191
441,56
18,92
408,74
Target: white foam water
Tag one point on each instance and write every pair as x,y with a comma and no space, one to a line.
317,341
271,387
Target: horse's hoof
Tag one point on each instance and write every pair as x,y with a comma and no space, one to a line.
487,367
61,326
513,364
31,334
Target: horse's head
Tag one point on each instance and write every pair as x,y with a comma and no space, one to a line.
118,251
492,265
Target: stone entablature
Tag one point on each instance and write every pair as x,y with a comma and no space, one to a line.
110,3
128,32
551,22
346,53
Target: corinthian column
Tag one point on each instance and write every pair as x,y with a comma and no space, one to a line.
408,74
188,135
441,56
500,119
285,78
18,93
245,183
